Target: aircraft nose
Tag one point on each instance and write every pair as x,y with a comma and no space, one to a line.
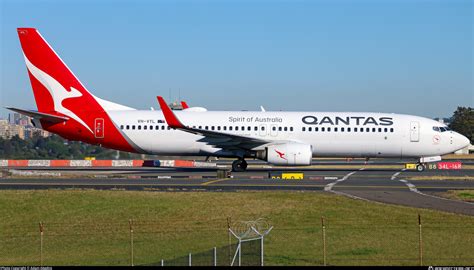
460,141
464,141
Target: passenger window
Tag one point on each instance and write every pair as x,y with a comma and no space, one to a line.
274,128
225,127
249,128
212,127
255,128
218,127
380,129
291,128
316,129
374,129
304,129
242,128
342,129
128,127
335,129
157,127
367,129
169,128
230,128
121,126
207,127
323,129
355,129
236,128
285,129
309,129
391,129
348,129
329,129
279,128
263,128
162,127
385,129
139,127
144,127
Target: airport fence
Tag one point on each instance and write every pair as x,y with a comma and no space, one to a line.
329,241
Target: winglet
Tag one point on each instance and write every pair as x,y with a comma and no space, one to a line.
170,118
184,105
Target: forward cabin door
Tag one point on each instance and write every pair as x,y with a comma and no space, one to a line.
415,131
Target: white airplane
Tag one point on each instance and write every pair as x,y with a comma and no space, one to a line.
67,108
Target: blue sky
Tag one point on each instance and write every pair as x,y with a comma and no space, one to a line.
413,57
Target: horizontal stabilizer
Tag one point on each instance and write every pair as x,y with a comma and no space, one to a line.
39,115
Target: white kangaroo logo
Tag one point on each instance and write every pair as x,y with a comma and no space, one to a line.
57,91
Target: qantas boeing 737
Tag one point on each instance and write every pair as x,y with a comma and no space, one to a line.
67,108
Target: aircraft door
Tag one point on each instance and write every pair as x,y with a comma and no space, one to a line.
99,128
414,131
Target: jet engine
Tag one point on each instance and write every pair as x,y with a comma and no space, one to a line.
292,154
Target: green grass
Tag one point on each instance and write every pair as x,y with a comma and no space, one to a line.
462,195
89,227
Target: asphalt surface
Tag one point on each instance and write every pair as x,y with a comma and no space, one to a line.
380,185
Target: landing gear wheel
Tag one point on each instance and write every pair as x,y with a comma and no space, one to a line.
239,165
420,167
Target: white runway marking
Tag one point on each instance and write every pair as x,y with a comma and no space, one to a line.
329,186
413,188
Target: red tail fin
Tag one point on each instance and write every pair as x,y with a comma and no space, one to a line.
55,87
58,92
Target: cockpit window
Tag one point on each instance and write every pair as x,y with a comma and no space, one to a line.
441,129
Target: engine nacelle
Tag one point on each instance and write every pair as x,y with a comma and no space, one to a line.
292,154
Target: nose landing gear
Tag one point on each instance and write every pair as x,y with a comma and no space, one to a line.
239,165
420,167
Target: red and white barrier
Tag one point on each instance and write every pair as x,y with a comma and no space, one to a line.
106,163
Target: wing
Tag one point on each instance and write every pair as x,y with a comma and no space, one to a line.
39,115
222,140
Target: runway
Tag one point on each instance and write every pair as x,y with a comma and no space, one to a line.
372,184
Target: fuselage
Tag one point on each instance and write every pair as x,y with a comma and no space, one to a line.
338,134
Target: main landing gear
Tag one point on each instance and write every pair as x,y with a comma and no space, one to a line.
239,165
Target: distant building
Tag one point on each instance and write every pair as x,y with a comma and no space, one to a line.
175,105
445,120
7,131
23,128
14,118
3,127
